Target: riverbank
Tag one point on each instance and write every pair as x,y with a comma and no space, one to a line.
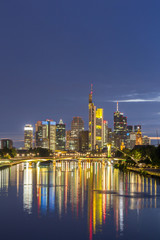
9,163
153,172
145,171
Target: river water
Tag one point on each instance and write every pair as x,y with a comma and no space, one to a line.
79,201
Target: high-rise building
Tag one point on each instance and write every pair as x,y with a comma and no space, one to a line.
146,140
46,134
110,135
77,126
38,134
139,137
99,128
83,141
129,128
92,122
120,127
120,122
68,139
137,127
60,136
6,143
96,126
131,140
28,136
105,133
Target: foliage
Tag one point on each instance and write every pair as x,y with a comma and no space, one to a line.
8,153
143,154
42,152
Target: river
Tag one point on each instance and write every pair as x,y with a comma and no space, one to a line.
77,201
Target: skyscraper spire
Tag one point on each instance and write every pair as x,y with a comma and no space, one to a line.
91,88
117,106
90,95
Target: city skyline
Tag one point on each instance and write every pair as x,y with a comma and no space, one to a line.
20,142
51,54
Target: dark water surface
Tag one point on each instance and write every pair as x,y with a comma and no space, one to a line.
77,201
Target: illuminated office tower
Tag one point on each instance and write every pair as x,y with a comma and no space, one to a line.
77,126
49,131
68,139
46,134
99,128
96,125
137,127
38,134
105,133
28,136
60,136
120,122
92,122
139,137
120,128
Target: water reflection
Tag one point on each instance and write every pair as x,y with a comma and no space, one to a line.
86,189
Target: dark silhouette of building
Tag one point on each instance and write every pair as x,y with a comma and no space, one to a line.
129,128
6,143
84,141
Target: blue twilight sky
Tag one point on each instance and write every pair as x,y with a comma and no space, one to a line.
52,50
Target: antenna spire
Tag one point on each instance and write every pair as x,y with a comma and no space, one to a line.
117,106
91,88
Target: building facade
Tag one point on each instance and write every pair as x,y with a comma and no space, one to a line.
60,136
68,139
139,140
6,143
77,125
92,123
105,133
46,134
96,125
28,136
84,141
99,128
120,128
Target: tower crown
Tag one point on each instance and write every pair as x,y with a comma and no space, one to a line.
117,106
90,95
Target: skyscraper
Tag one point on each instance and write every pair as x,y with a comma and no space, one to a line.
120,127
60,136
129,128
77,126
120,122
28,136
6,143
137,127
92,122
83,141
38,134
68,139
96,127
139,140
99,128
46,134
105,133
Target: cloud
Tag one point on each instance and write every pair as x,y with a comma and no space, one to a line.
138,100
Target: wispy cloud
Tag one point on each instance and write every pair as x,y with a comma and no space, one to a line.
138,100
